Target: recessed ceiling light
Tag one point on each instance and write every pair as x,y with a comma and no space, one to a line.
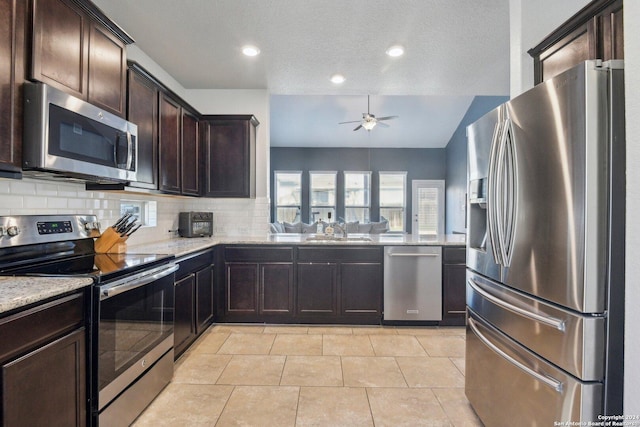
337,79
395,50
250,50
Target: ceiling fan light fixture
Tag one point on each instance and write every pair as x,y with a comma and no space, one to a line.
369,124
250,50
337,79
395,51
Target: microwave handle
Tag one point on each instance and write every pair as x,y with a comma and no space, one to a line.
129,151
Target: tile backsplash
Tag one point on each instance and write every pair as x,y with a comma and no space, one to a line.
232,217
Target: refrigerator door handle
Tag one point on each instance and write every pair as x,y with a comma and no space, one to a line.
491,193
558,324
511,191
551,382
501,196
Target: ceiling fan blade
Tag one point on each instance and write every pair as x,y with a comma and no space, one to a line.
384,125
355,121
358,127
387,118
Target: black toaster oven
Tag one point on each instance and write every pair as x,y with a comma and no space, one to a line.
195,224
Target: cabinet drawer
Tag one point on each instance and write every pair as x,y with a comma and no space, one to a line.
33,327
455,255
191,264
342,254
258,254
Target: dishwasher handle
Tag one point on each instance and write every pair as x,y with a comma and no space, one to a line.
132,282
413,255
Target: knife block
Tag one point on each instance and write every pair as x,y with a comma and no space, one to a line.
110,242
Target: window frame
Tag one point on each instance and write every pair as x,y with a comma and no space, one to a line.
335,195
404,198
275,193
344,195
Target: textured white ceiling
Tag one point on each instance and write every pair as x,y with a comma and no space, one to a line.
312,120
454,48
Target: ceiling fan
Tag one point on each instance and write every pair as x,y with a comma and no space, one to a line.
369,121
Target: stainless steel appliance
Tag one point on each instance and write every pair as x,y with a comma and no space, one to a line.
195,224
131,343
68,137
412,283
545,252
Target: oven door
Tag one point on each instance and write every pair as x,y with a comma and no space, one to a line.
134,328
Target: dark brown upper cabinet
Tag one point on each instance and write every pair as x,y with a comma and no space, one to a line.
595,32
170,145
229,146
75,48
142,109
190,157
12,72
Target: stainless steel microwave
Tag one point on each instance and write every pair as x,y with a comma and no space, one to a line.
66,136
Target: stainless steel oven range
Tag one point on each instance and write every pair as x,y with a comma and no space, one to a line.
131,334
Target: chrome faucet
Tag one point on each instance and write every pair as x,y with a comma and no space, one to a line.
342,228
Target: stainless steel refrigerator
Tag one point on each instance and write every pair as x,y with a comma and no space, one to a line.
545,252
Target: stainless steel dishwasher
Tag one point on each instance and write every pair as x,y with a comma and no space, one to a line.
413,283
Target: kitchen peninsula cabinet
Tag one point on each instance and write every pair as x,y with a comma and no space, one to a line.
13,16
44,365
259,283
301,284
194,303
229,143
595,32
77,49
339,284
454,278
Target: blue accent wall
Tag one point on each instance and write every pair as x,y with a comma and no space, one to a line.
419,163
456,160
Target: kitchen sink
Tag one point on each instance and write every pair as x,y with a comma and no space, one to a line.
324,238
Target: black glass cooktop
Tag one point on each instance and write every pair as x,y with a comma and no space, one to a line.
74,260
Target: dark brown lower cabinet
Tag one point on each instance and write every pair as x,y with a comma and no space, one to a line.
184,330
44,365
304,284
194,300
454,277
317,289
255,289
361,288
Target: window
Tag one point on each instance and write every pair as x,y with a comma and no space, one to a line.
357,196
146,212
393,199
322,195
288,189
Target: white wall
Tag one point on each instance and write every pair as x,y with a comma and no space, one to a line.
632,319
533,20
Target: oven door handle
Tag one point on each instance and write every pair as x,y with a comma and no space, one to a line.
132,282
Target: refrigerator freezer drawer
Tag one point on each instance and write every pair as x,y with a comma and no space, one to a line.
508,385
572,341
413,283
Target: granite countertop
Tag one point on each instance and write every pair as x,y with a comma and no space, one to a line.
21,291
184,246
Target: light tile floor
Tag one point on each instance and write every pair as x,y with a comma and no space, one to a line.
276,376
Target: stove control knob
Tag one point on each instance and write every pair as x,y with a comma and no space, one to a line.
90,226
13,230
